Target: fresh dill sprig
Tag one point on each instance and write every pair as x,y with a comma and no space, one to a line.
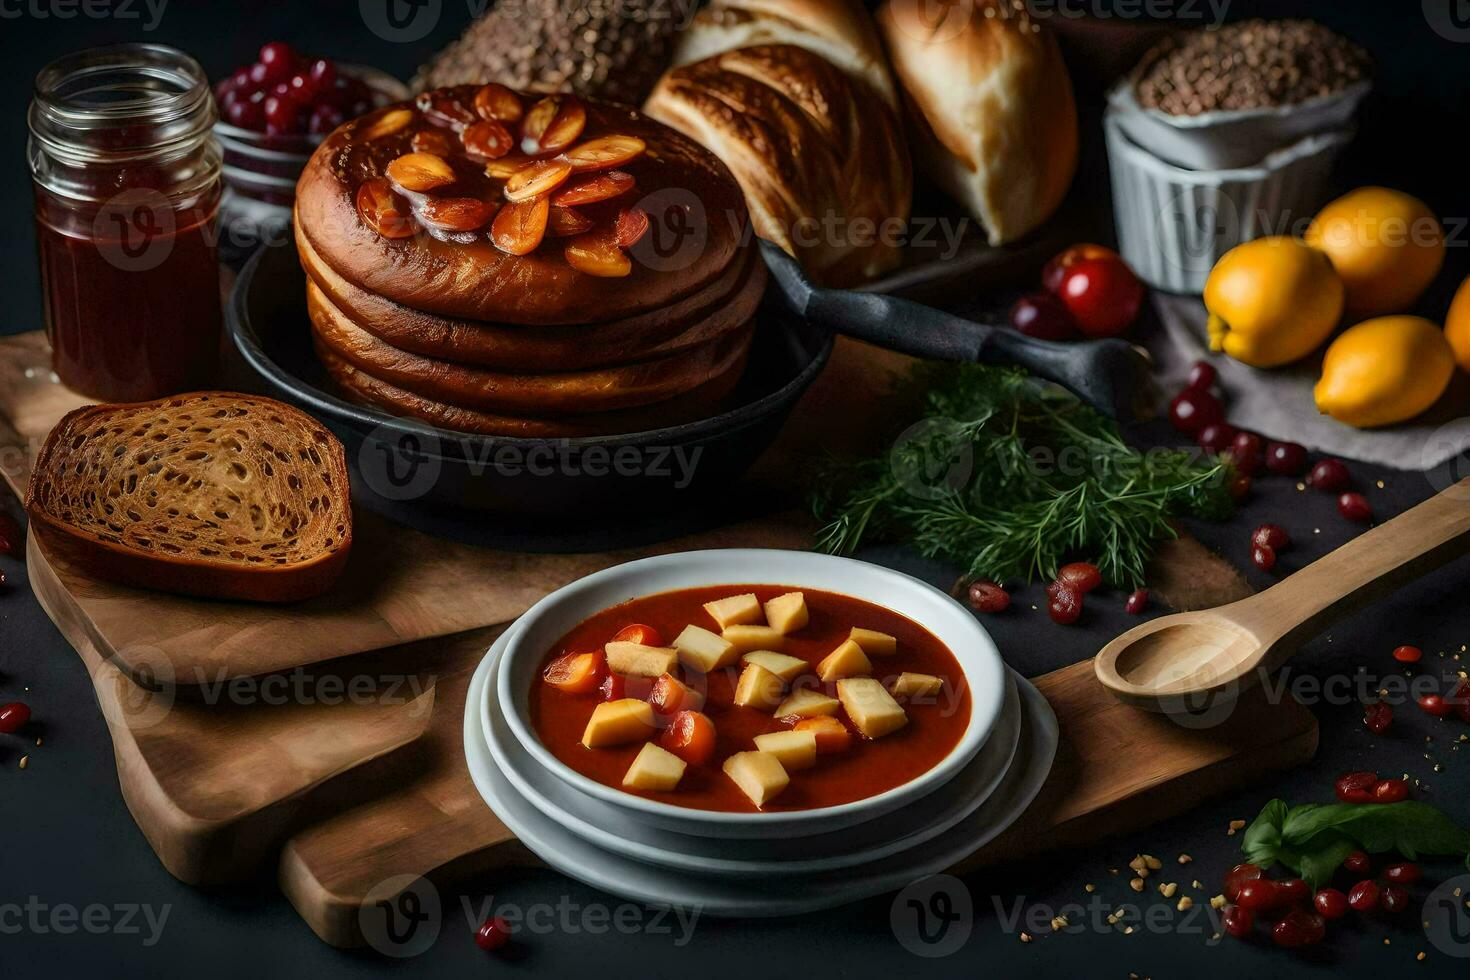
1011,478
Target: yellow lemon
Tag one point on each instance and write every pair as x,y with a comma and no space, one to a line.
1457,325
1386,246
1272,301
1384,370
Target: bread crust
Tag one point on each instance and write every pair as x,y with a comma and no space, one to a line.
992,107
120,558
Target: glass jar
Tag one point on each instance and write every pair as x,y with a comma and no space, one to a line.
126,175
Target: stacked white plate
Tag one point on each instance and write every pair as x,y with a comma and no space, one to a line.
750,864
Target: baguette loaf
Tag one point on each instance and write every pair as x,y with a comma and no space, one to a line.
211,494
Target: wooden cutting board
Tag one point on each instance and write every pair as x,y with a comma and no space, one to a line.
345,794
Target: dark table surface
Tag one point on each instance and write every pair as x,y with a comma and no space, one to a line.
81,891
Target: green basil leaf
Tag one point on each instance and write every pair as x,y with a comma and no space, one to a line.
1322,856
1263,839
1410,827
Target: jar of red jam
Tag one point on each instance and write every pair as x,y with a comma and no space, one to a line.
127,185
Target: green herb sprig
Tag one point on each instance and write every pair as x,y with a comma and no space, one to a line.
1010,478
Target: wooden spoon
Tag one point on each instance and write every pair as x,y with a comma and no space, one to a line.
1187,660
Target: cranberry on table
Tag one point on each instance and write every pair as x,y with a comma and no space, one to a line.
1238,876
1240,487
1355,507
1394,900
1137,603
1257,893
1043,316
1330,903
1356,787
1286,458
1407,654
1357,863
1271,536
1064,604
1436,706
14,716
1377,716
1391,791
1239,922
1263,557
1080,575
1216,437
1202,376
493,934
1403,873
1329,475
1055,270
1292,891
1363,896
1192,410
988,597
1249,452
1299,928
1103,296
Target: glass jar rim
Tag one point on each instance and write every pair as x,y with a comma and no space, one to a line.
145,97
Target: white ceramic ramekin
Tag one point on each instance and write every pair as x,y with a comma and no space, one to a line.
1174,223
557,614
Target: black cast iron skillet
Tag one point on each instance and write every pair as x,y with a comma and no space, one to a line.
609,491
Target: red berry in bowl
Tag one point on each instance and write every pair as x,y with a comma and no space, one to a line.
1215,437
1080,575
1064,604
1286,458
1356,787
1239,922
1238,876
322,76
1407,654
1357,863
1137,603
1329,475
1394,900
1363,896
1391,791
1403,873
1436,706
493,934
13,717
1263,557
1043,316
1248,451
1192,410
1270,536
1202,376
1330,903
1377,717
324,119
1257,893
988,597
1355,507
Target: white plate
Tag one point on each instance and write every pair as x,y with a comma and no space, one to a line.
955,626
620,832
757,898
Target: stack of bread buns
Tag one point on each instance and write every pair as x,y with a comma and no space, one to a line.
508,264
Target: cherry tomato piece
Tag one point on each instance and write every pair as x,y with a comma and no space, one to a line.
575,673
690,736
640,633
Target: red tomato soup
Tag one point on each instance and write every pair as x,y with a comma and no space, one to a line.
865,768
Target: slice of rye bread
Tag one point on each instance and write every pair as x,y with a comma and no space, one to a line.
210,493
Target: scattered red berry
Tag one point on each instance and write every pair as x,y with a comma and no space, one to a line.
1257,893
1434,705
1391,791
1330,903
1215,437
1249,453
1329,476
1043,316
1377,716
1263,557
1202,376
1394,900
1408,654
1355,507
1357,863
1239,922
1270,536
1080,575
1292,891
1404,873
1192,410
1356,787
1286,458
493,934
988,597
1299,928
1102,294
1363,896
1240,487
14,716
1064,605
1137,603
1238,876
